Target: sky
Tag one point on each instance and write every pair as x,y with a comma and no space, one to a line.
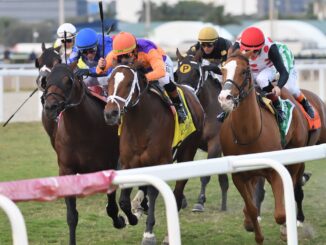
127,9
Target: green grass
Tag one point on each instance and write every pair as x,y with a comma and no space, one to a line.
25,152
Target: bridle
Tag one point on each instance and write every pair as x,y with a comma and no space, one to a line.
64,101
240,97
128,102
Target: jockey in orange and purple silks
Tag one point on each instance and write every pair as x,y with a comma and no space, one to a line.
127,49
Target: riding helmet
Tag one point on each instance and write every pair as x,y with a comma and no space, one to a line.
86,39
124,43
70,30
252,38
207,35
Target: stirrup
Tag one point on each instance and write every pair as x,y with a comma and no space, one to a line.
220,117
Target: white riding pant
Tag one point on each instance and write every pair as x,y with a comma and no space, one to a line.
269,74
168,72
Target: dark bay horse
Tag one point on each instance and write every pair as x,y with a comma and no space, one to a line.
147,133
250,128
47,60
207,89
83,142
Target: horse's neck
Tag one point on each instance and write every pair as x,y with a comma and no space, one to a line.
248,115
83,114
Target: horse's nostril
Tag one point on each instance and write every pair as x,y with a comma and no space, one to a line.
229,97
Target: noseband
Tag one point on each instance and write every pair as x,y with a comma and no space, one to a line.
242,92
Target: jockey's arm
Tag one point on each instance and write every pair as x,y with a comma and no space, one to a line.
275,57
157,64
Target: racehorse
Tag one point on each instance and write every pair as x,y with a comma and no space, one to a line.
83,142
48,59
147,132
207,89
250,128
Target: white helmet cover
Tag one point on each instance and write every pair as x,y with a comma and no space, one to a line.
70,30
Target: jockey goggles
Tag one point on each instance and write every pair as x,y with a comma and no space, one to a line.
208,45
89,51
66,41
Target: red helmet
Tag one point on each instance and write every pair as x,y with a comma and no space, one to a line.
252,38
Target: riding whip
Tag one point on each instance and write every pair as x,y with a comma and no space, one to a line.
4,125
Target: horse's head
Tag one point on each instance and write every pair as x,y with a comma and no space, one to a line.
236,81
48,59
123,91
58,94
189,71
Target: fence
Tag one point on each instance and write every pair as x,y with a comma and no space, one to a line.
158,174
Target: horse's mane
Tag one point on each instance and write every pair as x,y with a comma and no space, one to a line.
140,69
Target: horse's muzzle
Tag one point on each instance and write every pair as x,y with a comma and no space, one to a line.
112,117
51,111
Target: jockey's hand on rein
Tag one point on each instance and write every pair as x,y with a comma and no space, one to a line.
82,72
102,63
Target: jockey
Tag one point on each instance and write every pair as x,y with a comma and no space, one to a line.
71,32
267,59
214,49
126,49
89,48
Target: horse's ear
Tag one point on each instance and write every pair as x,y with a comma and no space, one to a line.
230,52
248,54
179,56
198,55
43,46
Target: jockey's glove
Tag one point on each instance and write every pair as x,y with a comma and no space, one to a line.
82,72
212,67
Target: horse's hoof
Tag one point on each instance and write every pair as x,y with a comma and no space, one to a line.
259,219
184,203
120,223
133,220
283,233
248,226
198,207
223,208
148,239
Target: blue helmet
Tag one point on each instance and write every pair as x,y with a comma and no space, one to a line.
86,38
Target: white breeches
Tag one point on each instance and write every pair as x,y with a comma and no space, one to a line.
92,81
168,74
269,74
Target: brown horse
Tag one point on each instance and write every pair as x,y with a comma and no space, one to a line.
250,128
207,89
83,142
147,133
47,60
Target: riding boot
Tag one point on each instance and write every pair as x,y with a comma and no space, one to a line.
307,107
280,115
171,89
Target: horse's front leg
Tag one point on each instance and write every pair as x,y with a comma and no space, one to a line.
72,218
125,205
259,194
245,189
178,192
149,236
112,210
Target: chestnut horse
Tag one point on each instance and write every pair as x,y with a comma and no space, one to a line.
207,89
249,128
83,142
147,132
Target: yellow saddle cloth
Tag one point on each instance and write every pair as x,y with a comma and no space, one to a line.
182,130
